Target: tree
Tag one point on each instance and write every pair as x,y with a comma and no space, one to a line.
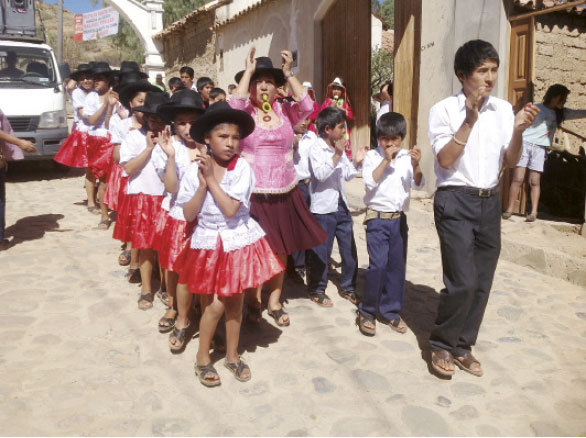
386,9
174,10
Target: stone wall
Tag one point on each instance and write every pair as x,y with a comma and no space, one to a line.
192,44
560,57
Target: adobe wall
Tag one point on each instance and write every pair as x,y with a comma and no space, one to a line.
560,57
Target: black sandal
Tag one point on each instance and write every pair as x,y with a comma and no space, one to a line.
349,295
124,258
180,334
167,324
133,275
320,299
367,331
146,298
163,296
237,369
202,371
277,314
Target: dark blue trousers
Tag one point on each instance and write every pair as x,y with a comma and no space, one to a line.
339,225
2,202
386,240
299,256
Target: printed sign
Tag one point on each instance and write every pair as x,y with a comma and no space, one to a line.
96,24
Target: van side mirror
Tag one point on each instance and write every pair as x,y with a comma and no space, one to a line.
64,70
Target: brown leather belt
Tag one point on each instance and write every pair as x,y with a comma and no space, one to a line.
373,214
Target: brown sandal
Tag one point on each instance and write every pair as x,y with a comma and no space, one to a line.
437,355
466,362
397,325
360,322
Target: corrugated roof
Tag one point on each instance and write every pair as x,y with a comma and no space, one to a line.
243,12
179,24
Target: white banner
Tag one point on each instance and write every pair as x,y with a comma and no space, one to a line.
96,24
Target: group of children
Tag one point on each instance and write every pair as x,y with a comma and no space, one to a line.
170,169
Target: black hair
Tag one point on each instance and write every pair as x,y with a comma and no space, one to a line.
472,54
175,81
216,92
329,117
203,81
553,91
391,124
232,87
188,70
389,90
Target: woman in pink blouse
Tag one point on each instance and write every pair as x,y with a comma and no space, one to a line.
276,202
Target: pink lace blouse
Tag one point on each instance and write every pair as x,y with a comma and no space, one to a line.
270,151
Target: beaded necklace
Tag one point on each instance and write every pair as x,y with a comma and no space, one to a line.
266,108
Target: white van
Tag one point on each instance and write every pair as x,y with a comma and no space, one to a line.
32,93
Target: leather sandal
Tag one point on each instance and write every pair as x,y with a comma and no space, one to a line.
164,297
146,298
167,324
237,369
360,322
396,324
465,363
124,258
437,355
321,299
349,295
180,334
203,374
277,314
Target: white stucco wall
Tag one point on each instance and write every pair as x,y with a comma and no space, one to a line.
376,32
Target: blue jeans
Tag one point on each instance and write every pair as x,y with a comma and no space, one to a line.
386,240
339,225
299,256
2,202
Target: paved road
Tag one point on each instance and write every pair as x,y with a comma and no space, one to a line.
78,358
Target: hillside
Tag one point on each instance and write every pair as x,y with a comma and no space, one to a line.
75,53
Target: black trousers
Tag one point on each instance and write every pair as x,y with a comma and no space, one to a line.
469,230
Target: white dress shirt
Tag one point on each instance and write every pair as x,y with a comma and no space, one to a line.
182,163
328,182
393,191
146,179
301,155
481,160
78,98
91,106
236,232
385,107
119,128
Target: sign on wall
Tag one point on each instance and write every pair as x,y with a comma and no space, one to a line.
96,24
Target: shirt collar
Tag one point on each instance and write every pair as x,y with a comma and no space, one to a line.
489,103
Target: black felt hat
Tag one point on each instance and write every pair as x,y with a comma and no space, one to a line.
102,68
221,112
182,100
130,84
82,69
131,67
152,102
264,64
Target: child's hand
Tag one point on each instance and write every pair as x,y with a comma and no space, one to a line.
250,61
415,153
112,98
340,146
525,117
391,152
202,181
152,138
166,142
359,155
206,168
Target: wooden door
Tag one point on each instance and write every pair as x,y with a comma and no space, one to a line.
346,54
520,91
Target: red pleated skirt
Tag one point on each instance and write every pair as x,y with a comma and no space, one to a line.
213,271
136,220
287,221
175,237
99,155
73,151
160,222
115,181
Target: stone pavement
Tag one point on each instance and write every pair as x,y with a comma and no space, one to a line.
78,358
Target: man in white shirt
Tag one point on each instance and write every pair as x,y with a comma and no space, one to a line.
388,173
187,74
330,168
471,134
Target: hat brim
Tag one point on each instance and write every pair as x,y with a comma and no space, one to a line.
213,118
168,110
142,75
129,90
277,73
76,74
108,73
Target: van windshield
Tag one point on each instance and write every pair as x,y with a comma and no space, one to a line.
26,67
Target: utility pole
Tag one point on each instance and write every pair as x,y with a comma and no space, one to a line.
60,31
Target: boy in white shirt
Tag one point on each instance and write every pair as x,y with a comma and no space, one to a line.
330,167
388,172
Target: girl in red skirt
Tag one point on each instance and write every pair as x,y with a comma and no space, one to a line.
142,203
73,151
228,252
172,157
97,112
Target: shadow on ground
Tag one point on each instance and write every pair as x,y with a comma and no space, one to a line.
33,228
22,171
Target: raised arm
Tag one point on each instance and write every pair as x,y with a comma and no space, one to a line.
523,119
244,84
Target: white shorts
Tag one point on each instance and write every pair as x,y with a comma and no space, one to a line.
533,157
